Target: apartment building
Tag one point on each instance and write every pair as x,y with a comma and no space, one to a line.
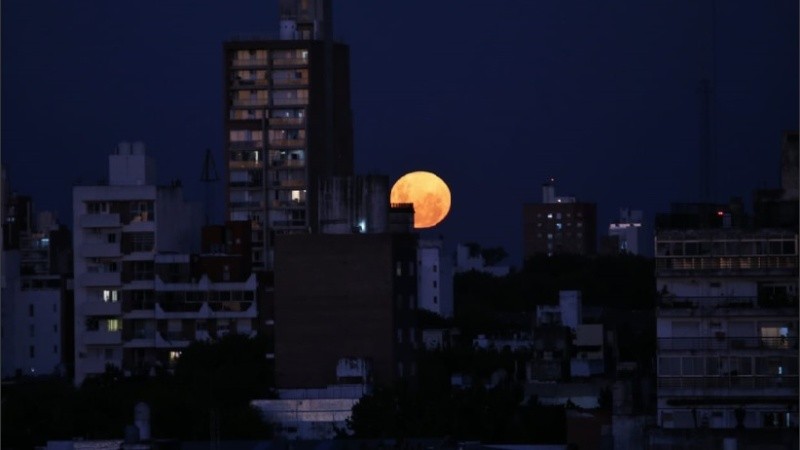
288,124
559,225
119,228
727,322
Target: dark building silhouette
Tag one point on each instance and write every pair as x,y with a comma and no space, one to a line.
344,297
559,225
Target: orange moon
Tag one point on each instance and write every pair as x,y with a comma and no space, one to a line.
427,192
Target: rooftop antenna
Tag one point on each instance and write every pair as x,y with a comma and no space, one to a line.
707,134
209,176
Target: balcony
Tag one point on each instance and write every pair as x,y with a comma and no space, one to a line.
757,382
287,121
671,305
289,184
245,145
288,163
245,164
289,223
285,82
139,226
727,343
102,337
261,102
100,250
172,339
249,62
289,62
677,265
294,101
141,339
99,220
100,279
99,308
287,143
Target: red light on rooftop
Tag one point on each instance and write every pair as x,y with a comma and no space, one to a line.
720,213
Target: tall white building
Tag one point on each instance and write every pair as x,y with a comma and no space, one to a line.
118,229
435,278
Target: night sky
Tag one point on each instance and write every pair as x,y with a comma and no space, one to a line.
494,96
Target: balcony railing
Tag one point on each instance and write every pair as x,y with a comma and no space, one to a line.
726,263
286,62
287,143
294,101
726,343
283,121
288,163
730,382
102,337
713,303
289,223
99,220
249,62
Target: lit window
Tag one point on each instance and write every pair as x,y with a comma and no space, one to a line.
110,296
550,215
174,355
399,268
114,325
558,226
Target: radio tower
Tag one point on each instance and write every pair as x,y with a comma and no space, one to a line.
707,129
209,176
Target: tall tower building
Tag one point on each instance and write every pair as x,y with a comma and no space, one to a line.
288,124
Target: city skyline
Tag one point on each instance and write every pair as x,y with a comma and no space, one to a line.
493,98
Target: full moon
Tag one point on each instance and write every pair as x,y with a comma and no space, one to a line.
427,192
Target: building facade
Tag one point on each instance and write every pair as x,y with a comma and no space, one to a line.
288,124
36,299
435,278
559,225
344,297
119,229
727,322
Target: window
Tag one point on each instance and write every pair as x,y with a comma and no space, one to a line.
55,328
399,268
32,351
110,296
55,349
435,283
399,336
550,215
436,299
669,366
30,310
174,356
114,325
112,238
435,268
31,330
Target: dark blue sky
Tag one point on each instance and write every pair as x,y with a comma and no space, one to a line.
494,96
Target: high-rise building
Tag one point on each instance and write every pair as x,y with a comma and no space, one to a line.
727,318
559,225
119,229
288,124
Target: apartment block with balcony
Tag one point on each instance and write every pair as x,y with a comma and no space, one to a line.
288,124
119,229
727,325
